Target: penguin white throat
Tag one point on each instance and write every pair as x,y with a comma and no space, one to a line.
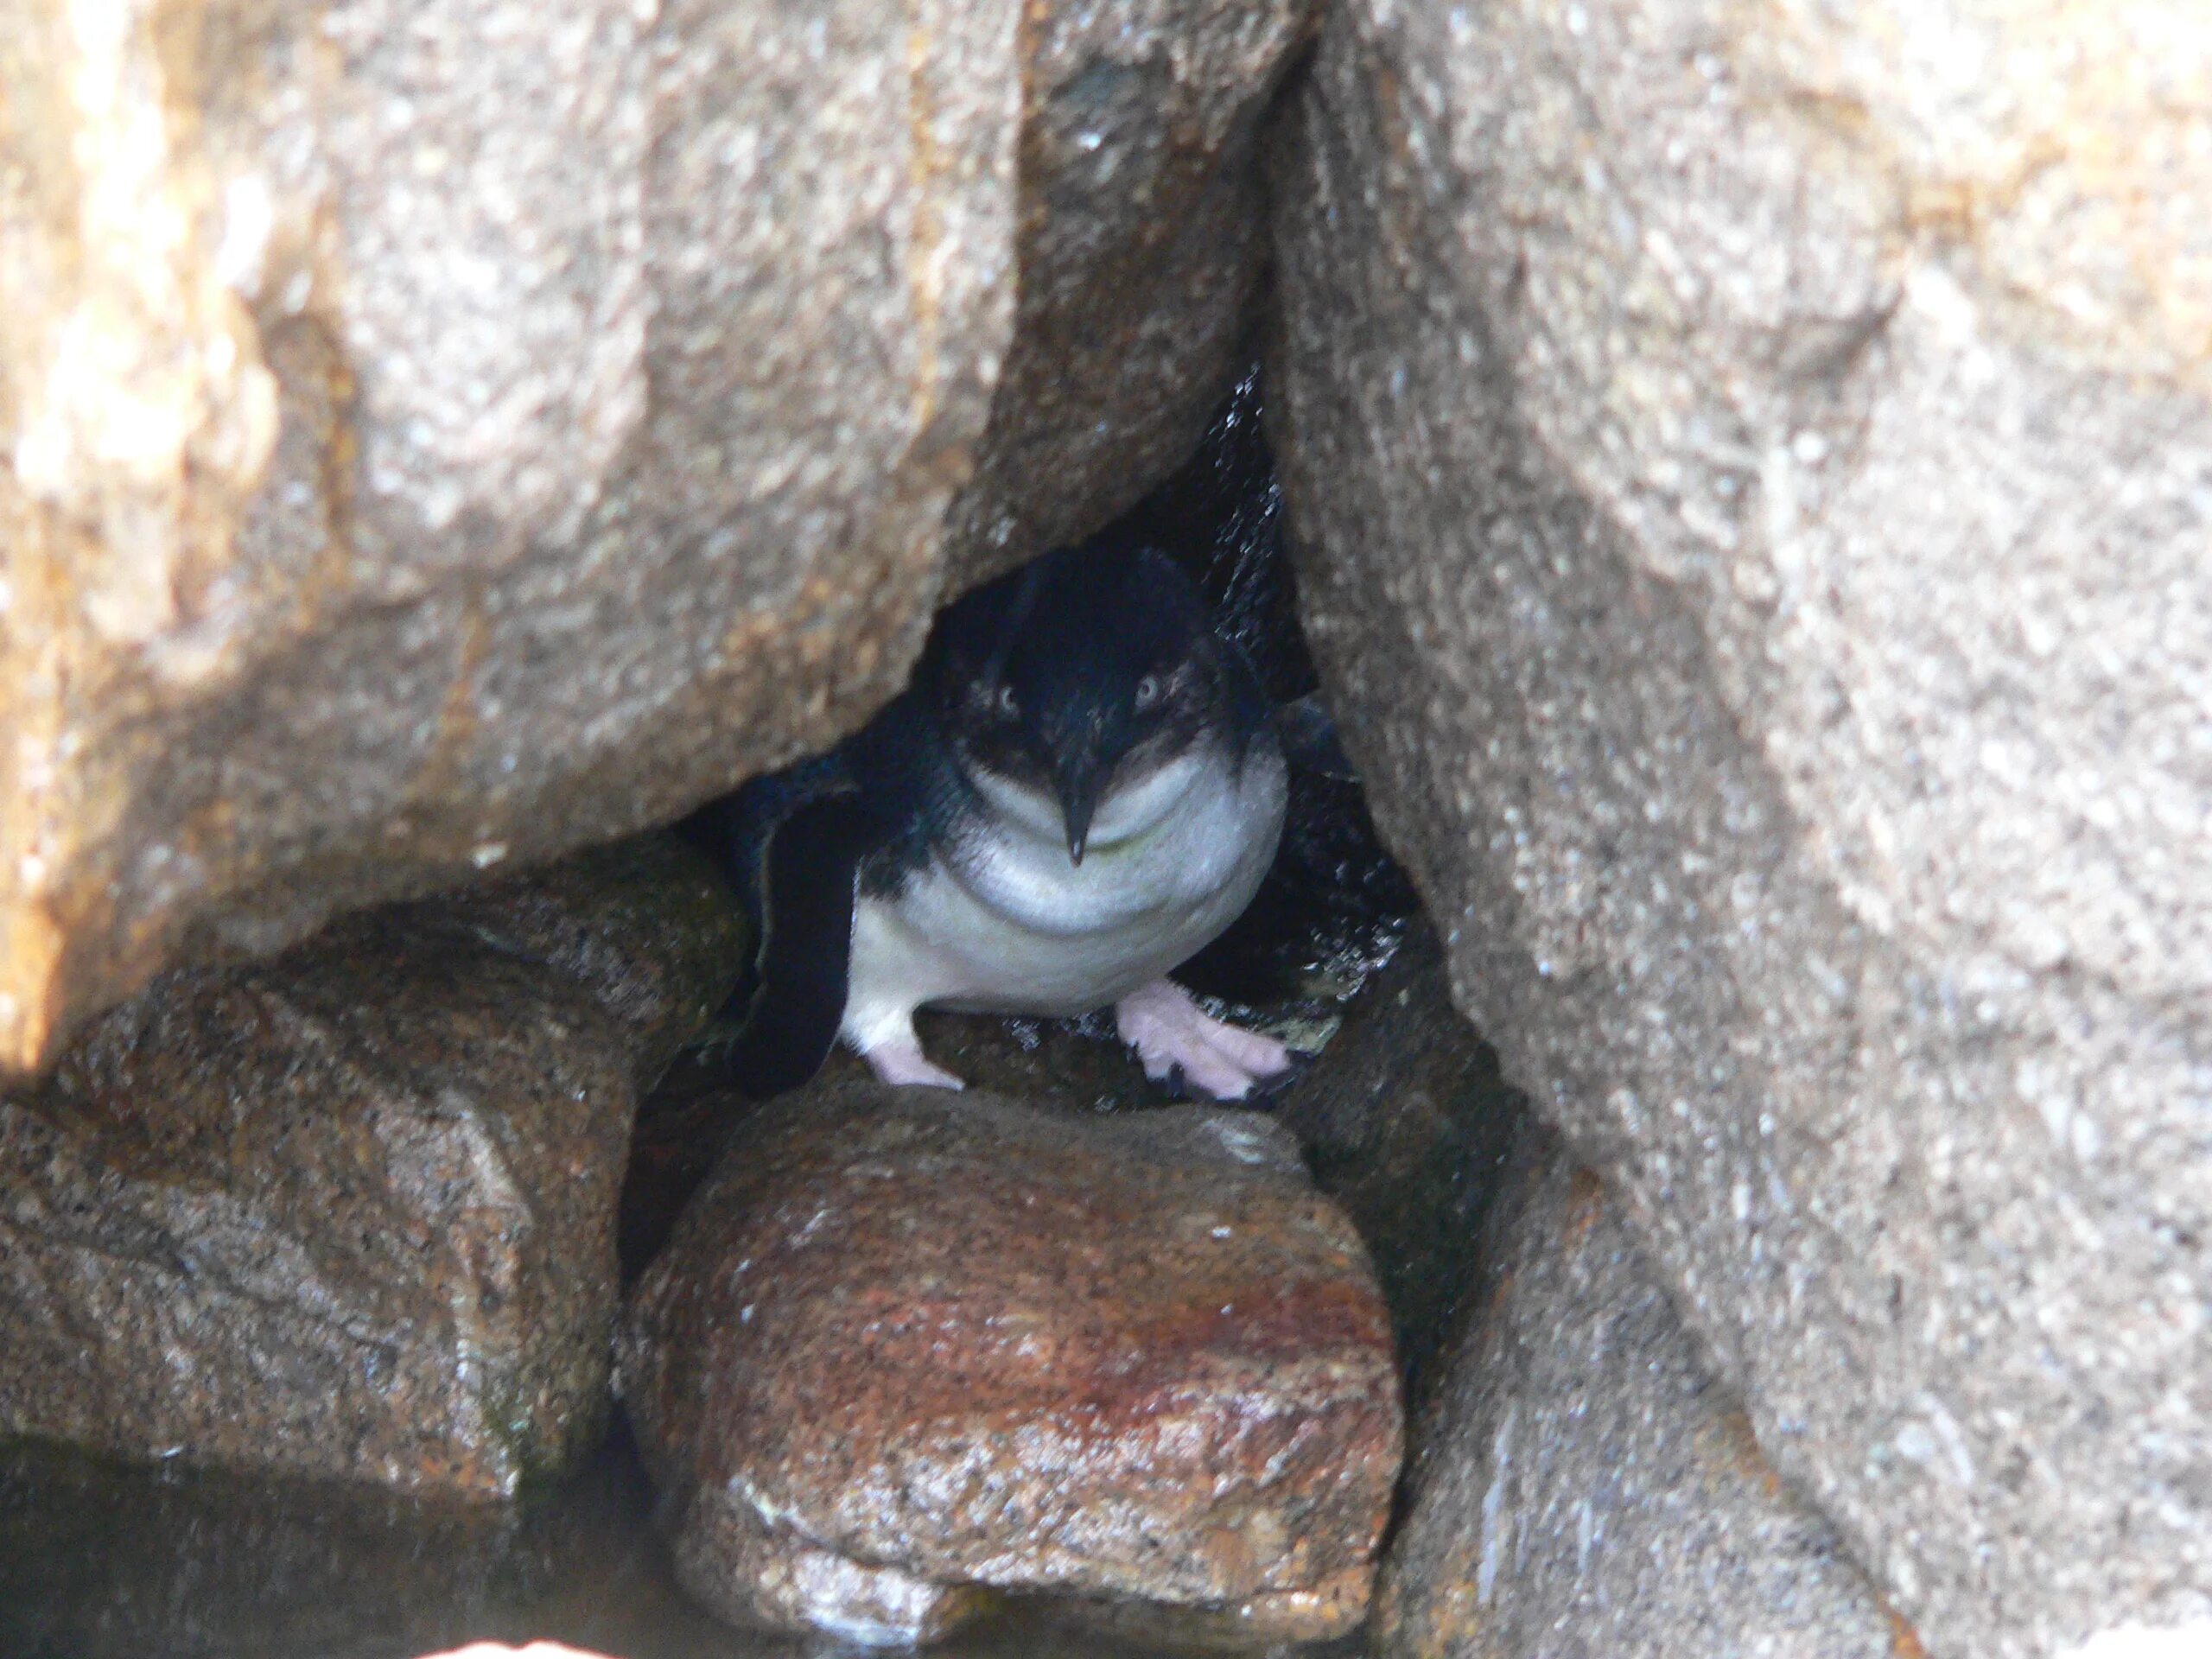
1000,918
1138,821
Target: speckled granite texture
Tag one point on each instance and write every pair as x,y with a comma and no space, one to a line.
1140,237
1752,470
352,1212
909,1346
1583,1486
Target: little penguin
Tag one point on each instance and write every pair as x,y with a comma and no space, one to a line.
1083,786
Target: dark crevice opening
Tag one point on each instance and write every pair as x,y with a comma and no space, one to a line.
1331,910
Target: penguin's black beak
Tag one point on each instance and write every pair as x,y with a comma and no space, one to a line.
1080,778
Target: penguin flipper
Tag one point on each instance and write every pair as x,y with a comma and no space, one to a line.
734,830
807,871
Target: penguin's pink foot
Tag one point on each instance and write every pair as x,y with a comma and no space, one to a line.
1170,1031
901,1064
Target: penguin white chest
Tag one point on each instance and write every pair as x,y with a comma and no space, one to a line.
1001,920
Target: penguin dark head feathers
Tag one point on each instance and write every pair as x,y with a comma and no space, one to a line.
1083,675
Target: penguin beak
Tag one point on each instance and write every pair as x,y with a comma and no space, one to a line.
1080,778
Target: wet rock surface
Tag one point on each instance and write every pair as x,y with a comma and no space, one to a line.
1754,540
909,1344
405,470
1141,239
1333,905
116,1562
1070,1065
1405,1121
98,1561
645,925
351,1212
1583,1484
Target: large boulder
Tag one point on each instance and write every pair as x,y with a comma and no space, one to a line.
352,1212
432,436
910,1346
1583,1484
443,434
1753,468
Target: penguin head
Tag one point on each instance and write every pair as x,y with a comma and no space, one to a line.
1081,676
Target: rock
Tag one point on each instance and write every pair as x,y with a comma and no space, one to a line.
1753,526
414,468
1582,1483
405,470
2133,1641
1406,1122
647,925
685,1124
907,1345
1140,239
352,1212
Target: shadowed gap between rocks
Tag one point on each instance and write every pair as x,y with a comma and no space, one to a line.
1333,909
1401,1117
1399,1112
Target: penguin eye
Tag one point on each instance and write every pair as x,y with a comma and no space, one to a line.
1147,691
1006,704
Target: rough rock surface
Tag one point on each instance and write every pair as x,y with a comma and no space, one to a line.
1754,466
437,438
352,1212
430,441
1582,1485
1405,1121
908,1343
1141,240
646,925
